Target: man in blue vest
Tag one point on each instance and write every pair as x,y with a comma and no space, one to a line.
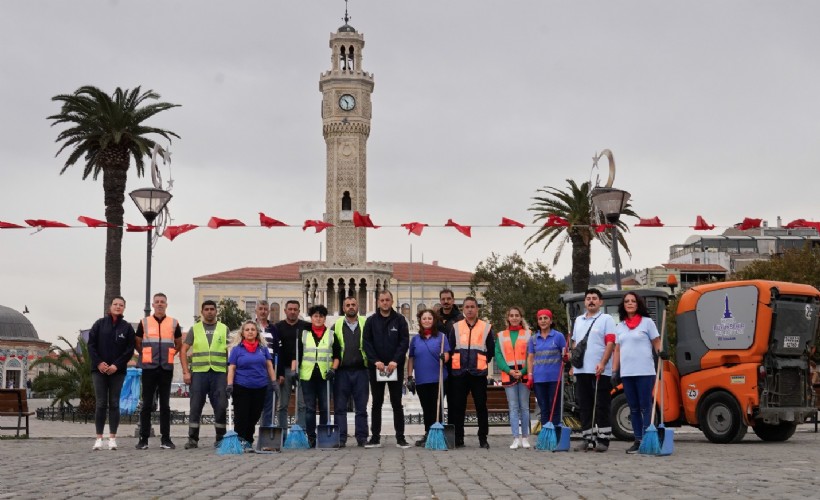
206,374
351,377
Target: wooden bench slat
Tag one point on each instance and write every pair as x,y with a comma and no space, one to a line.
13,403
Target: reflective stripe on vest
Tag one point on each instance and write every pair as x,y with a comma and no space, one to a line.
206,357
514,355
471,347
338,330
315,354
158,343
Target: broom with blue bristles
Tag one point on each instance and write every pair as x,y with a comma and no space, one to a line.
297,439
651,444
435,436
547,438
230,444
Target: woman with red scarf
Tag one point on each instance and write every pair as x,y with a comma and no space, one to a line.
318,358
250,372
425,354
636,342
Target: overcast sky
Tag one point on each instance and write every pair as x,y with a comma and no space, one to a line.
711,108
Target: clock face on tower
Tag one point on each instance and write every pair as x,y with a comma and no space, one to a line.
347,102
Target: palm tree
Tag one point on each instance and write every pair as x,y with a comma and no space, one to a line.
574,205
107,131
71,378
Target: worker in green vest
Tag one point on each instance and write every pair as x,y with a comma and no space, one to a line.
352,381
206,372
318,358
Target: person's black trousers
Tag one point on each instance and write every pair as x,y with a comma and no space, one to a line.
247,408
459,387
585,397
428,397
156,380
377,393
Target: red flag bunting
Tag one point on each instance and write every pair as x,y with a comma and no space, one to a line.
88,221
44,223
465,230
802,223
600,228
414,227
9,225
172,232
505,222
653,222
701,225
216,222
130,228
266,221
555,221
749,224
360,220
318,224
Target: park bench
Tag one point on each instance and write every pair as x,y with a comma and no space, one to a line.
497,408
13,404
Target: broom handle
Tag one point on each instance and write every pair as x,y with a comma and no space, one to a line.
658,374
298,382
555,397
440,377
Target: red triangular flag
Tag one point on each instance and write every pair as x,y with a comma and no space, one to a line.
509,222
796,223
465,230
749,224
701,225
44,223
172,232
266,221
653,222
360,220
414,227
555,221
320,225
216,222
88,221
130,228
9,225
600,228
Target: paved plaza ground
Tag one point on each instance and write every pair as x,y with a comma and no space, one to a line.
57,462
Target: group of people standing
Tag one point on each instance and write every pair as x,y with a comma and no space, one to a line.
349,360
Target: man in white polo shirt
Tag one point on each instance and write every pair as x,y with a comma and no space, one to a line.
597,369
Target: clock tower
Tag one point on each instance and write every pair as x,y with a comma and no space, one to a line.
346,113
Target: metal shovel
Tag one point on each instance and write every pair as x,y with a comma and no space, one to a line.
327,436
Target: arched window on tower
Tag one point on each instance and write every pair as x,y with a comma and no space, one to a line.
350,60
347,203
343,57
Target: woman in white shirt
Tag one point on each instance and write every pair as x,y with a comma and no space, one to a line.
636,341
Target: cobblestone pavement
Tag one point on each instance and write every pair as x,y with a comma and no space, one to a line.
65,467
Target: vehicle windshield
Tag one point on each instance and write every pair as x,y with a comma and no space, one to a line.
794,324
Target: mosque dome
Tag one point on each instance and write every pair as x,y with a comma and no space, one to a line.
15,326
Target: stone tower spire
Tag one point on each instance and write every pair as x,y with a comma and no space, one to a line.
346,113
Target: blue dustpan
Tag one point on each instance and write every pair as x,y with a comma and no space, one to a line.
667,437
563,433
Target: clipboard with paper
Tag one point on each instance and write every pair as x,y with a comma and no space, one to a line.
383,376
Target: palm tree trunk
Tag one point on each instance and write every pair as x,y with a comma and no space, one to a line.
115,175
581,258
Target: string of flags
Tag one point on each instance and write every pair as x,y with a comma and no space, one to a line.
364,221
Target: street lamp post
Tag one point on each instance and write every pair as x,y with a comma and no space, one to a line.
149,201
611,202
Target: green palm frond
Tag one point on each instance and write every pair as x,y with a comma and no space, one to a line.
71,375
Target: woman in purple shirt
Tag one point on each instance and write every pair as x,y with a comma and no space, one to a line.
250,372
423,366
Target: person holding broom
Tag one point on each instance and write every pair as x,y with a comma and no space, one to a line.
511,357
318,358
425,354
636,342
546,350
250,373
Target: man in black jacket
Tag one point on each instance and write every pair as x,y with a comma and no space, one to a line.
449,313
288,331
386,339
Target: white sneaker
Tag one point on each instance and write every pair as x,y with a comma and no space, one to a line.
525,442
112,443
515,444
97,445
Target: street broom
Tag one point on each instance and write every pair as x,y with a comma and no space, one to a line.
435,436
230,444
650,444
297,438
547,439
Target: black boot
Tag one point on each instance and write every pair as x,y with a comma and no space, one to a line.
193,438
